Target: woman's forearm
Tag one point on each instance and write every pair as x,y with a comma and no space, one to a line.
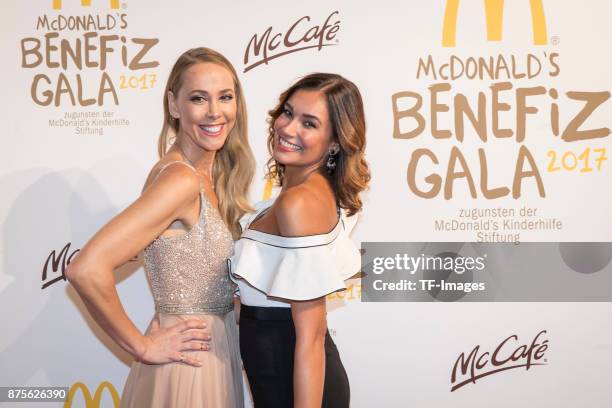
98,292
237,310
309,373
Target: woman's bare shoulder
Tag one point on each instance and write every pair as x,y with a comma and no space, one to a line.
304,210
171,186
175,174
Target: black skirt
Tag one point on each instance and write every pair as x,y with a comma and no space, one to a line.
267,346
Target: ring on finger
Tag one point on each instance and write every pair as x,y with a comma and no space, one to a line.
181,357
202,346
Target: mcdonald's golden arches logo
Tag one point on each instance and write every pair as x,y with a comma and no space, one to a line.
494,12
92,402
57,4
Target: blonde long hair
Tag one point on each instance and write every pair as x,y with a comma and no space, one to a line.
234,164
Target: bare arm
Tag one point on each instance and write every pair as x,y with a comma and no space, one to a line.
237,310
170,197
299,213
309,359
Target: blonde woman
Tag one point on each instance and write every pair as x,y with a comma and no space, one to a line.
185,221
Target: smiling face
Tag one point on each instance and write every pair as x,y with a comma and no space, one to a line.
303,131
205,106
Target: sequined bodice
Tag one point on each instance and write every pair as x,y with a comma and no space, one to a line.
188,273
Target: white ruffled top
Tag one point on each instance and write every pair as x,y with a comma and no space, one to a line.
268,267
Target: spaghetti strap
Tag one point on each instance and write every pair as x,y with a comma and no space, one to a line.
201,194
165,166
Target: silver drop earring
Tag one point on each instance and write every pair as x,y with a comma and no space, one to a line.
331,159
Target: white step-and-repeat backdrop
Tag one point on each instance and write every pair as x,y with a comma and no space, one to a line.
488,121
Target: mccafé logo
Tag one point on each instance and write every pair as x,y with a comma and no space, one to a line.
57,263
57,4
494,12
92,402
506,356
299,36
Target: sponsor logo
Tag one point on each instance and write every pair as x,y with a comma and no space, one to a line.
83,58
300,36
92,402
448,109
57,4
507,355
57,263
494,12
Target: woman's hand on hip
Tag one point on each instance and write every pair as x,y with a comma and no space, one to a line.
169,344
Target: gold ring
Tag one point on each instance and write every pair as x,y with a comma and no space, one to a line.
202,346
181,357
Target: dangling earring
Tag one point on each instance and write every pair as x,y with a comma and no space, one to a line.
331,159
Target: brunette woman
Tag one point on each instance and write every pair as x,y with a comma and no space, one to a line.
295,249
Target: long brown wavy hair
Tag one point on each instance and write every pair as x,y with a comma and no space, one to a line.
351,174
234,164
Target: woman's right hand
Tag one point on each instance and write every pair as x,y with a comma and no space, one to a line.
168,345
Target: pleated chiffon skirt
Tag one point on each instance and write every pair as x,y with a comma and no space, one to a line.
216,384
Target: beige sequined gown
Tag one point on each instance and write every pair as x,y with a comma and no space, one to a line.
189,278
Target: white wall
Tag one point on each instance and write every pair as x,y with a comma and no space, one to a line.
59,186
